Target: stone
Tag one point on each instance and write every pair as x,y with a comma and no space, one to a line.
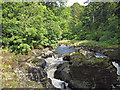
37,74
47,53
66,58
113,54
86,73
38,62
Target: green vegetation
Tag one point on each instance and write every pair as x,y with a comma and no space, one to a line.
27,25
88,42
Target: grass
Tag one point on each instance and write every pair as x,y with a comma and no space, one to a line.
88,42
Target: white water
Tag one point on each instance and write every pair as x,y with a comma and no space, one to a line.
117,67
52,63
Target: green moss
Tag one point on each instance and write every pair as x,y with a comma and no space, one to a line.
79,59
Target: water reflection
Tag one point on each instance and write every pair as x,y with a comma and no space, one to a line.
64,50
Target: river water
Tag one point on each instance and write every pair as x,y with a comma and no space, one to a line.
56,59
53,62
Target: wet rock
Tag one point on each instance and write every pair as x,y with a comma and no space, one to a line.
33,71
77,84
113,54
63,72
90,48
66,58
37,74
87,72
63,75
38,62
89,55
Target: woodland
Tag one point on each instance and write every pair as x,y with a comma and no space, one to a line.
27,25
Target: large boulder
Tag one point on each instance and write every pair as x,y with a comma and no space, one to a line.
83,72
114,54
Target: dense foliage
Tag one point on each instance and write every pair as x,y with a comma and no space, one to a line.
29,24
96,21
26,25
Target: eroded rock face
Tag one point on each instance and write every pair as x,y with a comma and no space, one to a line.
83,72
114,54
37,74
33,70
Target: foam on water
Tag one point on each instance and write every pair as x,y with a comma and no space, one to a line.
52,63
117,67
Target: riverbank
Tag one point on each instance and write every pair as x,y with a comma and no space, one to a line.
87,43
16,70
12,65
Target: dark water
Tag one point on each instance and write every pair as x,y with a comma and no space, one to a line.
64,50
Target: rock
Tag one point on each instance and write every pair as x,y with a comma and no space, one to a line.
63,45
78,84
37,74
48,84
47,53
63,72
38,62
66,58
86,73
21,74
114,55
36,52
87,54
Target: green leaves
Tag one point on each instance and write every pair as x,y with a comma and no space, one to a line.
32,24
29,24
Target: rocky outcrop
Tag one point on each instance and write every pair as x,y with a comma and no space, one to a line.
33,70
84,70
113,54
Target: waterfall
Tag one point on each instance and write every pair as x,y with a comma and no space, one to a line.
52,63
117,67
